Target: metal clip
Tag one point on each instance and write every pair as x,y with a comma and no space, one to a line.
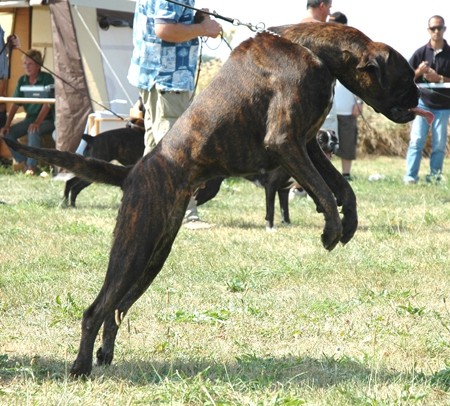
255,28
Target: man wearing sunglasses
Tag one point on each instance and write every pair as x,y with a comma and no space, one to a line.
432,70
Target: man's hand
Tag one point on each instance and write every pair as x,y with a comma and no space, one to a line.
13,40
211,28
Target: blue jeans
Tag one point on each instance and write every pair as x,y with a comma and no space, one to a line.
418,136
20,129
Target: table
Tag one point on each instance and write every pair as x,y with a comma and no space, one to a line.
28,100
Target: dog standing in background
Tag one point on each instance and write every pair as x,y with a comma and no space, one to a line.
124,145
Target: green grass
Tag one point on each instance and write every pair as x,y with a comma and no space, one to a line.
238,316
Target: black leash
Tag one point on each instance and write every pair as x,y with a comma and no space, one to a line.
255,28
260,27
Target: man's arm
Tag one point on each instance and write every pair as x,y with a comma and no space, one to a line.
178,32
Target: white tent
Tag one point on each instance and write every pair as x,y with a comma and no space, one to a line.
86,44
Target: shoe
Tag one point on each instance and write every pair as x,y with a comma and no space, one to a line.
347,177
409,180
197,224
30,172
433,178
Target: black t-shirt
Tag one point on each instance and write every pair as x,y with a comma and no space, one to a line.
435,98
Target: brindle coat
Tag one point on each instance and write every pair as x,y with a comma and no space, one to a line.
262,111
274,182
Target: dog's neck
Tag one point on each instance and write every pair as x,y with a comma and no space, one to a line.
338,51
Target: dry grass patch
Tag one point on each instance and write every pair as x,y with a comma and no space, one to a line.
237,316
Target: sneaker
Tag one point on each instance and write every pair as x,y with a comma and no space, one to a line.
409,180
433,178
30,172
347,177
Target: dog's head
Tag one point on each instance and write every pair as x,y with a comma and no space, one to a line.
134,122
328,141
374,71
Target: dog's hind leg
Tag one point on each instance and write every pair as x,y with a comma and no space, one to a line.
105,352
72,188
283,197
76,189
67,188
119,292
141,245
341,189
270,191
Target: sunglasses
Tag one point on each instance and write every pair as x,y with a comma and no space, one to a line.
436,28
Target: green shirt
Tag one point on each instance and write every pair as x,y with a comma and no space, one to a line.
33,109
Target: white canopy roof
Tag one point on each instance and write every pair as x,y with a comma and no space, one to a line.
119,5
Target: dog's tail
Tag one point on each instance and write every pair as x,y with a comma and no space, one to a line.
90,169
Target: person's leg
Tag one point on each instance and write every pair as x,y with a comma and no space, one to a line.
418,136
3,85
34,140
149,102
17,131
438,141
347,143
169,107
346,165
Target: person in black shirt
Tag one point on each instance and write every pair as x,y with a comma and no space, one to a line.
431,63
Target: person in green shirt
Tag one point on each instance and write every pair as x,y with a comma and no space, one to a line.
39,119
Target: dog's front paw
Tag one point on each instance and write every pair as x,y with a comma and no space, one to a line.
349,226
81,369
331,237
104,358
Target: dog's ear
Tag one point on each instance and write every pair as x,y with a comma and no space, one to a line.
376,65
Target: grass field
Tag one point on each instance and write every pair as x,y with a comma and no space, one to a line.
238,316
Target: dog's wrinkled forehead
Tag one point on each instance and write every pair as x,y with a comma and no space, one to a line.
326,137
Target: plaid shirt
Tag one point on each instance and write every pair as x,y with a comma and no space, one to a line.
166,65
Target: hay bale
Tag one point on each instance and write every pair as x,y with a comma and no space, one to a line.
379,136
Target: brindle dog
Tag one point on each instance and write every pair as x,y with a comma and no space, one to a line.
262,110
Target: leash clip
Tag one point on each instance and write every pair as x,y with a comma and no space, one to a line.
260,27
